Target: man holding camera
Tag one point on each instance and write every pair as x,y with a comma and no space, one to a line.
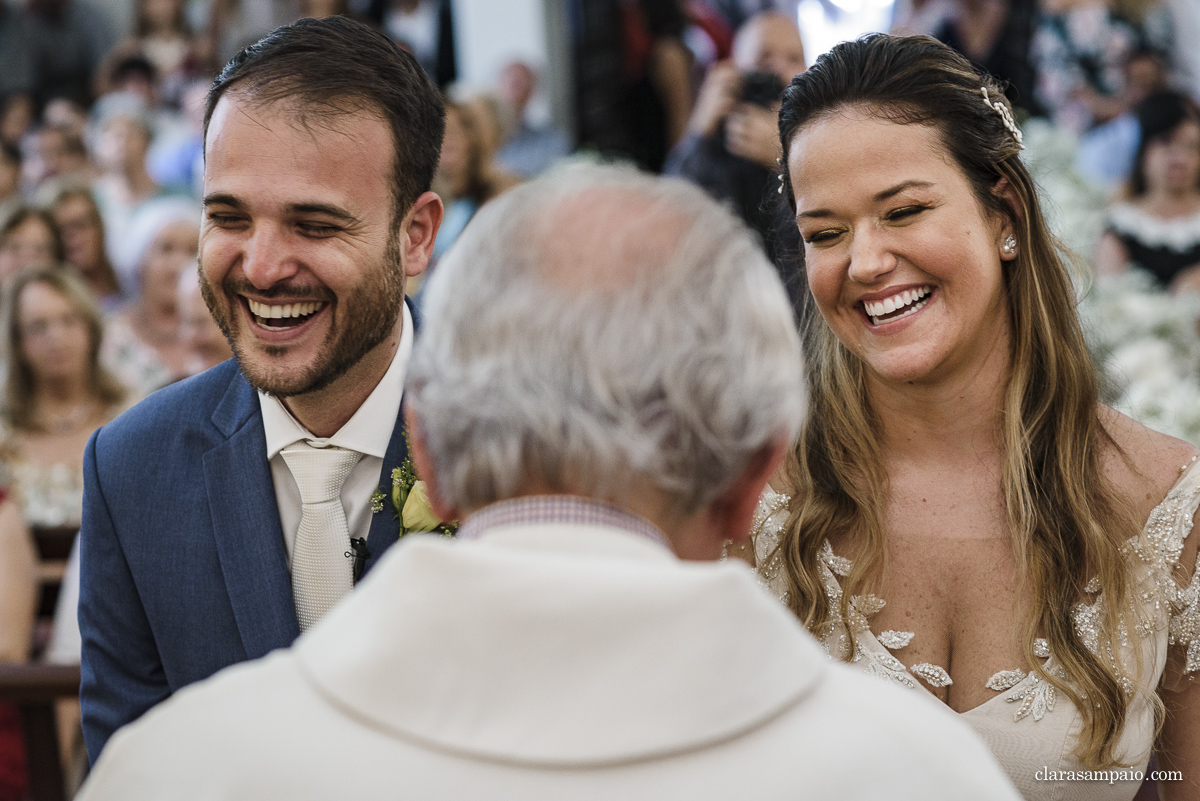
732,141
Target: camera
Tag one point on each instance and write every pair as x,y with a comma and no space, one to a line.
761,88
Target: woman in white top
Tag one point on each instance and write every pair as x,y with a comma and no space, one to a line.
956,463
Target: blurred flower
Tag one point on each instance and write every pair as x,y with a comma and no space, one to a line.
418,514
1145,343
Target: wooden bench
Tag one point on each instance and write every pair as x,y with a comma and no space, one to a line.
34,688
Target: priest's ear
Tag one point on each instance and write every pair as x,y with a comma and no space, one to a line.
425,467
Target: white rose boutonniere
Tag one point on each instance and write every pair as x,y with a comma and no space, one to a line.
410,503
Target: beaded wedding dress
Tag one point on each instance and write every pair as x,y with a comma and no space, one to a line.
1031,735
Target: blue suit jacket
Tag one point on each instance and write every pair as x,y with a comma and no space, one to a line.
183,565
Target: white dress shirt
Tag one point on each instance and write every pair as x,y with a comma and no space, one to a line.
368,432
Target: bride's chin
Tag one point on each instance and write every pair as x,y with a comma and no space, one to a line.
898,371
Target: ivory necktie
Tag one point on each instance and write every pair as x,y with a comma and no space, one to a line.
321,568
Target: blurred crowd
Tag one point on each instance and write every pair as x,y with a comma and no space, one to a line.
101,165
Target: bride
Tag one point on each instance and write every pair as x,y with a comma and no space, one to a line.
962,516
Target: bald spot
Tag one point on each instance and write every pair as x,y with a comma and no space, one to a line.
603,238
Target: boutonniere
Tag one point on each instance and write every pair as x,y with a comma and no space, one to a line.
410,503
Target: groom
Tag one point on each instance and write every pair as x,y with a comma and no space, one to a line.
212,528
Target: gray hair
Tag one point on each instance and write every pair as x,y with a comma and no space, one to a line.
527,368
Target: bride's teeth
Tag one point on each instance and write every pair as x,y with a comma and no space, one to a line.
910,301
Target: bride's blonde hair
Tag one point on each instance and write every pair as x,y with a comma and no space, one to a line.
1065,517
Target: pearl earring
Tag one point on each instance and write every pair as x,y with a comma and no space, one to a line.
1010,246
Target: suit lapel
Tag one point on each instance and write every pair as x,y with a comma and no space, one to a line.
245,520
385,528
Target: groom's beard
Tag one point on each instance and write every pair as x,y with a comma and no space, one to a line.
362,318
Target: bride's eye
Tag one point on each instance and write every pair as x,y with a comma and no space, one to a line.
905,212
819,237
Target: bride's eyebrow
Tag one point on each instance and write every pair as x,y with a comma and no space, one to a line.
900,187
878,198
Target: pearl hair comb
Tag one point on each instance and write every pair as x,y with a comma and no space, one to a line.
1006,116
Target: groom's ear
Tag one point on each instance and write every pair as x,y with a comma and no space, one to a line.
417,233
425,470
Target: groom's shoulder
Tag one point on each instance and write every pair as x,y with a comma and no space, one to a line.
181,409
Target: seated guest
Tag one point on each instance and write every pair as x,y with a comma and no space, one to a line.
608,376
29,238
1158,228
1106,153
161,35
53,153
10,180
1079,50
199,334
176,159
143,346
82,229
530,148
124,186
56,393
466,177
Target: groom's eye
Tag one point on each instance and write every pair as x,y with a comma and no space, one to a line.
319,230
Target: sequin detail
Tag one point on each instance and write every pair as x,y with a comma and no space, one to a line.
1036,698
895,640
885,666
1185,626
840,565
769,519
931,674
1005,680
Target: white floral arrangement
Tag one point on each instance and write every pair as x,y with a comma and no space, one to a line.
1073,205
1146,345
1144,340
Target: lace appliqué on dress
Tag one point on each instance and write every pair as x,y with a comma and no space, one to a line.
1168,526
1005,680
895,640
1159,546
769,519
1184,628
1037,697
885,666
931,674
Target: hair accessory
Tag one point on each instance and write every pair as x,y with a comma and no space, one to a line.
1006,116
1010,245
